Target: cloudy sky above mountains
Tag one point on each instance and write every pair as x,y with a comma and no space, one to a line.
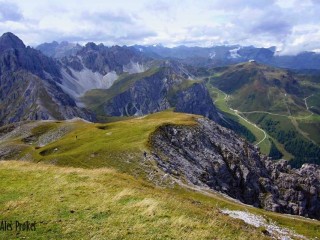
291,25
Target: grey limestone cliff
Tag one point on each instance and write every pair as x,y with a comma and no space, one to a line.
212,156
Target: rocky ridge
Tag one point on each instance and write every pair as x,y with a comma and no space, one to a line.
208,155
29,85
167,87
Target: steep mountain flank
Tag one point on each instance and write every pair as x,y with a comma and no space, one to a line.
98,67
209,155
158,89
196,100
29,85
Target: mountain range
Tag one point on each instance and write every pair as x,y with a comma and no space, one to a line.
30,85
234,101
130,78
99,83
227,55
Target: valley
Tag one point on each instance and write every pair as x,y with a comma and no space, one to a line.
221,101
291,112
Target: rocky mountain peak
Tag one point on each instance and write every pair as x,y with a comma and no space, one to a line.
10,41
91,46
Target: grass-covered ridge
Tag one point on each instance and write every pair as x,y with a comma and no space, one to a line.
256,87
118,144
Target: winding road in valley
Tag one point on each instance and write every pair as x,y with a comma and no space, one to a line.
253,124
238,113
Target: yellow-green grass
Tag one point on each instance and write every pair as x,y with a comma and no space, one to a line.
73,203
221,102
120,145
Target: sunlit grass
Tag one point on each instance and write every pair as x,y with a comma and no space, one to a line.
69,203
74,203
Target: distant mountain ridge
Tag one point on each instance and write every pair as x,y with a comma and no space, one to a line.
59,50
228,55
204,56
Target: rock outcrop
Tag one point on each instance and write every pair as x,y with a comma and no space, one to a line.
147,95
211,156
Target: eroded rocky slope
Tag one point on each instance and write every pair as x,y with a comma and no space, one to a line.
211,156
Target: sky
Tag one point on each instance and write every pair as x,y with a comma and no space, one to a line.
292,26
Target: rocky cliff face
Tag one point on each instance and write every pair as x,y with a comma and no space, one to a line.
98,67
196,100
147,95
29,85
14,56
212,156
166,88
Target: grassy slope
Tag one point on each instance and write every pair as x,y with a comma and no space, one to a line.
259,87
119,144
306,126
118,204
105,204
304,130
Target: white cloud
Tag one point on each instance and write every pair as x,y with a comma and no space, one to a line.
291,25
